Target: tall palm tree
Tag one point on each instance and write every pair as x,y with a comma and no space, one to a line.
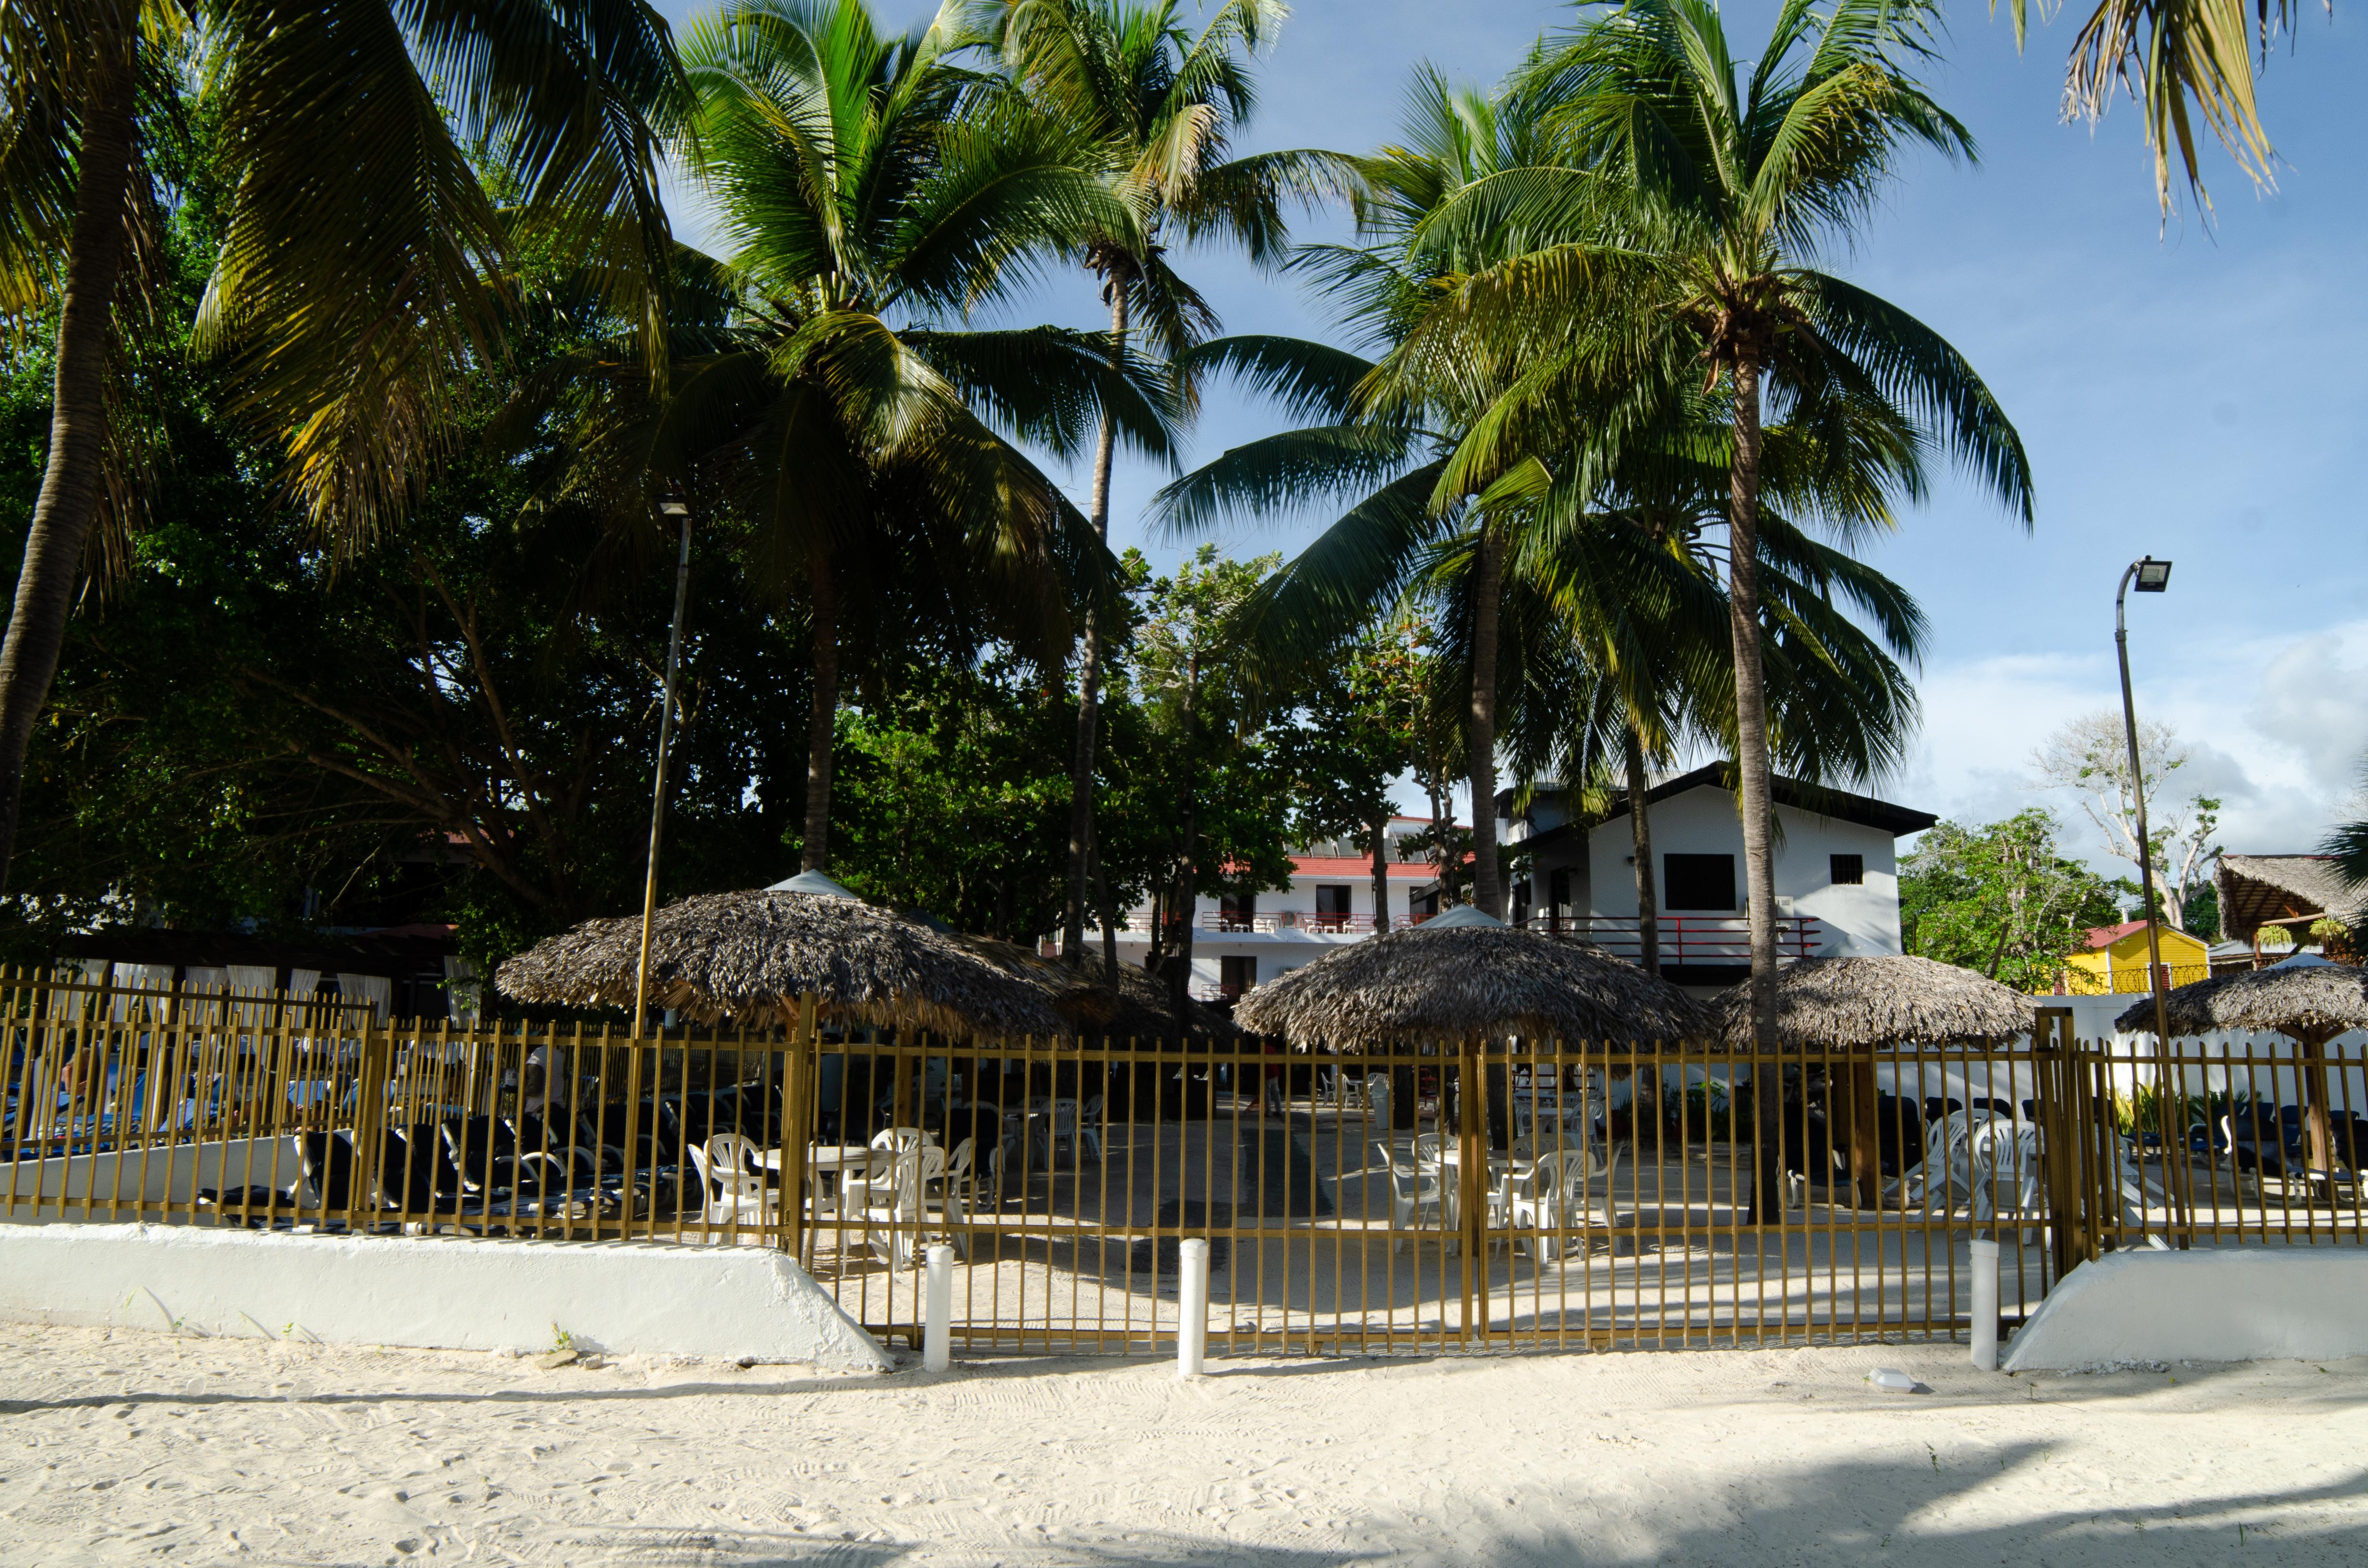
1670,232
870,189
363,259
1403,532
1162,107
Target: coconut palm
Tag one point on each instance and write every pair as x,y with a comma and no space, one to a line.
2170,55
361,260
1671,231
871,190
1161,105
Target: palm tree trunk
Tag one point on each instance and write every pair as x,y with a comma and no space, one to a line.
1179,979
823,722
70,485
1752,780
1640,834
1380,872
1489,591
1089,675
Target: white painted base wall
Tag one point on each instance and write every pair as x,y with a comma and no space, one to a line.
2211,1304
432,1292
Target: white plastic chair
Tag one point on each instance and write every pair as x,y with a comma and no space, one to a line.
1555,1196
1089,1126
891,1197
736,1193
1412,1194
953,1182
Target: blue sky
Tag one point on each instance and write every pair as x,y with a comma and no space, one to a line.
2190,393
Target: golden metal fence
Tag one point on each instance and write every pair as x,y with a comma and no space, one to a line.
1439,1194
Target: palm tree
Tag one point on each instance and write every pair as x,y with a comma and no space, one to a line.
1672,229
869,188
363,259
2170,53
1162,107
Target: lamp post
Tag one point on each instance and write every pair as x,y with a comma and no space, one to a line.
2152,576
670,504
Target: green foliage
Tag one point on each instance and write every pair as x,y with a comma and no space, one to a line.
2001,899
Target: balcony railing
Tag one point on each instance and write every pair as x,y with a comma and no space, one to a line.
1689,940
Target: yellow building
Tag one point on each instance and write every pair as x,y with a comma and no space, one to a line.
2114,957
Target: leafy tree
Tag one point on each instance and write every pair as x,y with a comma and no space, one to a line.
869,188
2091,755
362,263
1667,235
1360,716
1161,107
2003,899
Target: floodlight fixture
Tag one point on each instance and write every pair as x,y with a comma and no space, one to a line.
2154,577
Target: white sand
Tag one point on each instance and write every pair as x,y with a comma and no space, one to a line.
136,1446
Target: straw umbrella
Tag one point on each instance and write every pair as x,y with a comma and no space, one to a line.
2307,999
1466,975
749,957
1863,1004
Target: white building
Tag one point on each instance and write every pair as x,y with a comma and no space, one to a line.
1837,873
1837,886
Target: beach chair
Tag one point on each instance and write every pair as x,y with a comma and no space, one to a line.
734,1185
1414,1193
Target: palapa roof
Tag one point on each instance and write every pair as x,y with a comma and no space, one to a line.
1866,1004
1446,979
748,956
2315,1001
2258,889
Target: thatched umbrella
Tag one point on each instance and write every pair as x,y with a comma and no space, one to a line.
749,957
1466,975
1865,1005
2307,999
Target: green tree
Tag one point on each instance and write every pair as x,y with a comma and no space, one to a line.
2001,899
870,187
1669,235
362,263
1360,718
1162,107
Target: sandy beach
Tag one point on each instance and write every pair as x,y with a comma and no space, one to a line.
147,1446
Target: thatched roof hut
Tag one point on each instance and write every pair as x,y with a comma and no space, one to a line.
1870,1002
1464,974
748,956
2309,999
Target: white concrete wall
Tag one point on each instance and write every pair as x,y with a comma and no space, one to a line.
31,1189
439,1293
1859,920
2211,1304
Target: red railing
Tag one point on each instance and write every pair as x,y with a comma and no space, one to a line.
1273,920
1688,939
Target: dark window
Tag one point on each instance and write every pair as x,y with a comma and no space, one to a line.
1521,902
1558,889
1332,898
1237,911
1698,882
1235,976
1849,871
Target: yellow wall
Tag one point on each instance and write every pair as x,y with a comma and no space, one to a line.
2122,966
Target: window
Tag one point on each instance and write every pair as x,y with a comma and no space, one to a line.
1558,889
1698,882
1237,911
1235,976
1521,902
1849,871
1332,898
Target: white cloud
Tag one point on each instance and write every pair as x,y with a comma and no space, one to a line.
2274,727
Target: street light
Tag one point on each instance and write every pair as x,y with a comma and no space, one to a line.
2152,577
673,506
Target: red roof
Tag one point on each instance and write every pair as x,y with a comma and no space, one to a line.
2106,936
1357,866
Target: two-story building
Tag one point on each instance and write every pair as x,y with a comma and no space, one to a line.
1837,886
1837,873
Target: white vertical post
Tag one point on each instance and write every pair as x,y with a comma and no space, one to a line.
1192,1309
1986,1305
937,1328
